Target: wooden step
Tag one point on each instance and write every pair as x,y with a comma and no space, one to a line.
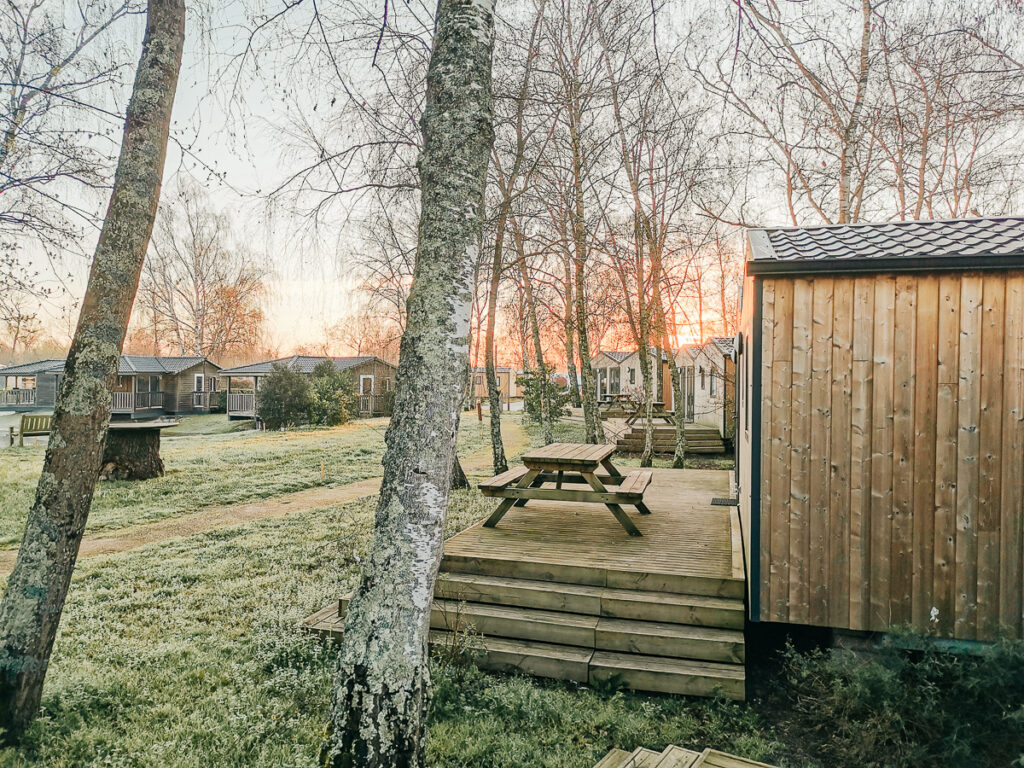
565,662
642,758
712,758
677,757
616,758
538,570
642,605
648,638
677,641
654,673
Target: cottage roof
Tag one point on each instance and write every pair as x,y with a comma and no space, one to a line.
300,363
976,243
724,343
33,368
128,365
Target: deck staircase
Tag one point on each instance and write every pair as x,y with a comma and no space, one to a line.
640,630
699,439
675,757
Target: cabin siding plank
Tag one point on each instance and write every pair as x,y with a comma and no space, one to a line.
860,451
800,450
990,424
821,405
904,384
926,364
882,452
1011,574
782,380
946,428
765,517
968,450
838,531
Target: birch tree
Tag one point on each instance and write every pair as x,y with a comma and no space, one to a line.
382,687
34,598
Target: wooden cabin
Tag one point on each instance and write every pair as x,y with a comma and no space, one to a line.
712,381
881,426
146,386
374,380
508,385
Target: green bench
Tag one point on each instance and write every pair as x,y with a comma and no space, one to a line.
32,425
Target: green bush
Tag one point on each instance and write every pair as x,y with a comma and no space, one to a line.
904,708
537,384
332,395
219,401
284,397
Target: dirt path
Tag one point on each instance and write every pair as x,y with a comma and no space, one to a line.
224,517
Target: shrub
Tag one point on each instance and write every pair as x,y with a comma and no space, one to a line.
332,395
904,708
219,401
284,397
534,384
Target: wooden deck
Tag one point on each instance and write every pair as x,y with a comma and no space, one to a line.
560,590
684,536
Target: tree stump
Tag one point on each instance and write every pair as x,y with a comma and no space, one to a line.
132,454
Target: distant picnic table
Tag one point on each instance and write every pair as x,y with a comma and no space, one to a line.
657,412
561,463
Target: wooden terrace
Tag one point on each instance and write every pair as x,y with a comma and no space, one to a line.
560,590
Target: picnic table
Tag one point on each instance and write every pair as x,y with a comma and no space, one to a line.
657,412
561,463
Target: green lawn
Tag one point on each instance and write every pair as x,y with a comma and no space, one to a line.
218,468
185,654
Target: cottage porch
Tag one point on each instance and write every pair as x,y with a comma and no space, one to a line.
560,590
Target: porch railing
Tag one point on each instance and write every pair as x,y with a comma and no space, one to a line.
242,403
17,397
375,405
200,399
129,402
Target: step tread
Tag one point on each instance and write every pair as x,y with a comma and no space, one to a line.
634,595
642,758
523,614
616,758
665,665
712,758
688,631
677,757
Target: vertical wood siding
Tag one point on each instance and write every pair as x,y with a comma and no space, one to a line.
892,453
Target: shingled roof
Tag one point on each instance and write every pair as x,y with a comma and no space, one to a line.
979,243
128,365
300,363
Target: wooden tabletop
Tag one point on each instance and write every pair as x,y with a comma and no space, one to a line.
574,454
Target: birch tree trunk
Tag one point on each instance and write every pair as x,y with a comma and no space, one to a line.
570,346
35,594
493,393
379,712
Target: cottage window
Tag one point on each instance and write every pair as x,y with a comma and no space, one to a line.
199,383
632,376
387,385
702,378
366,385
714,384
478,380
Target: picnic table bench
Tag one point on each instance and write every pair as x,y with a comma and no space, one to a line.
561,463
